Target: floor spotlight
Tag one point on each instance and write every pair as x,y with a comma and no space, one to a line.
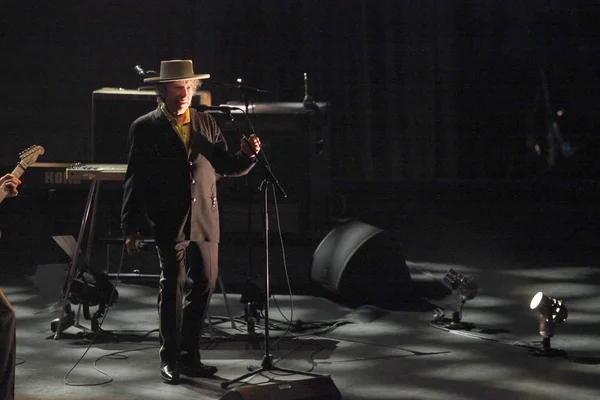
463,289
552,312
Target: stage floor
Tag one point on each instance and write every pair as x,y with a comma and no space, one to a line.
515,239
371,352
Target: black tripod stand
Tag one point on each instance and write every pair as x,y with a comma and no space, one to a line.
267,361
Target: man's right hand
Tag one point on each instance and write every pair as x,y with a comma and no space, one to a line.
132,243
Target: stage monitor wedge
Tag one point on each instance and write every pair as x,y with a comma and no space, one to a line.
321,388
361,262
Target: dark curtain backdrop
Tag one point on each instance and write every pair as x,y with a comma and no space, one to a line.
418,88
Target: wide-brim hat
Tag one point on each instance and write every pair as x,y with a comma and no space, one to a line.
176,70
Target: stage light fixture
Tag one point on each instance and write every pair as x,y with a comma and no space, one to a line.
552,311
463,288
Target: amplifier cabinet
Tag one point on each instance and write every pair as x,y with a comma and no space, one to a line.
296,142
113,111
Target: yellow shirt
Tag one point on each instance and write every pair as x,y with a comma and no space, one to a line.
183,130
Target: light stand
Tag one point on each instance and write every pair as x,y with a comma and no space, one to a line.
547,350
552,312
267,361
463,289
456,322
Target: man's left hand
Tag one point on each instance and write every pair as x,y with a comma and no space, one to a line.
250,146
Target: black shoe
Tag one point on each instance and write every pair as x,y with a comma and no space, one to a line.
196,369
169,373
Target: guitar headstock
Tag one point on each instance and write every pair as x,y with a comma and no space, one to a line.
30,155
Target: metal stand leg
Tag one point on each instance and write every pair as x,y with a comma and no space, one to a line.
210,329
226,302
75,259
92,230
77,318
209,320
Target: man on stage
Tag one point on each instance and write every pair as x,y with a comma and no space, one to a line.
175,155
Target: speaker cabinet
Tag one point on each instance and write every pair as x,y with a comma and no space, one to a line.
320,388
358,259
113,111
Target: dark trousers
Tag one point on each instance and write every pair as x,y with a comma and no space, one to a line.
189,272
8,346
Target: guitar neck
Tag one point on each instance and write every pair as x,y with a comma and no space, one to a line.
18,171
26,158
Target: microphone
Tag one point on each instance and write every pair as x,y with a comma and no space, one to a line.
223,109
138,70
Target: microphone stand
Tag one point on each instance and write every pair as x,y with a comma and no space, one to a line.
267,361
250,311
249,308
247,92
249,212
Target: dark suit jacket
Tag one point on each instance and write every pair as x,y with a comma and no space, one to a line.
168,185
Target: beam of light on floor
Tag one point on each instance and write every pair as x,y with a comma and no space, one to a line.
576,342
401,392
589,304
487,301
564,273
565,290
441,268
548,389
472,371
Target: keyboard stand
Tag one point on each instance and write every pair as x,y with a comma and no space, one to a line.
75,256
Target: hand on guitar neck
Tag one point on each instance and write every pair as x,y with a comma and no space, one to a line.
10,182
8,186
